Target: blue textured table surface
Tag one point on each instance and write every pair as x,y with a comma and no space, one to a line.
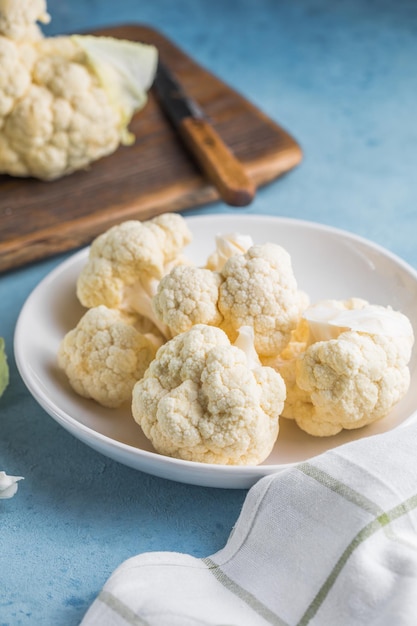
342,78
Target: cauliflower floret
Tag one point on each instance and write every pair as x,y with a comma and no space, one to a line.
202,400
259,289
308,326
187,296
127,262
353,368
14,78
256,289
64,101
105,354
18,18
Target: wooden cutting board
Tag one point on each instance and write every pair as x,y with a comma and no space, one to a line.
155,175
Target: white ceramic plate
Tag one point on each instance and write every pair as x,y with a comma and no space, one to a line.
328,263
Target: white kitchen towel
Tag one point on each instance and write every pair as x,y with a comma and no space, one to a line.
329,542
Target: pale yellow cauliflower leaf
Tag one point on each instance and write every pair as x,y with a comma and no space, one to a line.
126,263
227,245
105,354
64,101
202,400
353,369
259,289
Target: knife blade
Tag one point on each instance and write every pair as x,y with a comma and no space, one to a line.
214,157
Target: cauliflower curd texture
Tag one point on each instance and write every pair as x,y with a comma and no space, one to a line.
106,354
209,358
64,101
351,369
201,399
126,263
254,288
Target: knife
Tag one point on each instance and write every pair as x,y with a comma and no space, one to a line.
214,157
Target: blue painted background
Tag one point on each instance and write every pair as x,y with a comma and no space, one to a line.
341,76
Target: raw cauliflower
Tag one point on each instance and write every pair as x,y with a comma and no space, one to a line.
352,369
64,101
228,245
204,400
256,288
259,289
127,262
18,19
106,354
8,485
188,295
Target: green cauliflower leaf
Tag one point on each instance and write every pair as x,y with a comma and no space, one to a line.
4,368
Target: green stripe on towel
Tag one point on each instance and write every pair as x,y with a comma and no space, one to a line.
379,522
121,609
340,488
243,595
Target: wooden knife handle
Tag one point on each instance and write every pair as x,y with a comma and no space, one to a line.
220,165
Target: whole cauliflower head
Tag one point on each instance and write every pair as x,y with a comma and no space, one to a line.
353,370
202,400
105,354
64,101
259,289
126,263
